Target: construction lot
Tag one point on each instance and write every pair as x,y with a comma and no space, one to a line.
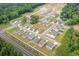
41,37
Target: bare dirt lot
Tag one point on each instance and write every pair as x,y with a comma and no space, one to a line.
56,6
76,27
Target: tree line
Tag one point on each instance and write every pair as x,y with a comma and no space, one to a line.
7,49
70,44
12,11
70,14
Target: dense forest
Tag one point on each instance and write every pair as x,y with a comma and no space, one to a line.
70,14
12,11
7,49
70,44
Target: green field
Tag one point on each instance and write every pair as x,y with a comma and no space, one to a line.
60,36
3,26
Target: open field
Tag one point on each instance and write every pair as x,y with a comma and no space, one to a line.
2,26
59,37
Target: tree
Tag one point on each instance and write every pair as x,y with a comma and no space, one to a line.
3,17
34,19
24,20
8,50
70,14
11,11
69,44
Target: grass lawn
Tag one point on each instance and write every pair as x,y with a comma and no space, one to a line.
60,36
2,26
42,49
12,31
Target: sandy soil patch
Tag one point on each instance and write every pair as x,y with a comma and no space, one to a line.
76,27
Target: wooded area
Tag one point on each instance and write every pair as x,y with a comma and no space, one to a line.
70,44
12,11
70,14
7,49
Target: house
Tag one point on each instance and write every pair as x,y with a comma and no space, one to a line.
31,35
28,26
43,41
25,35
53,32
17,22
36,39
51,45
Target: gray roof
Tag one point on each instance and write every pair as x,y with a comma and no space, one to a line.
53,32
18,22
50,45
36,39
31,35
42,42
27,25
